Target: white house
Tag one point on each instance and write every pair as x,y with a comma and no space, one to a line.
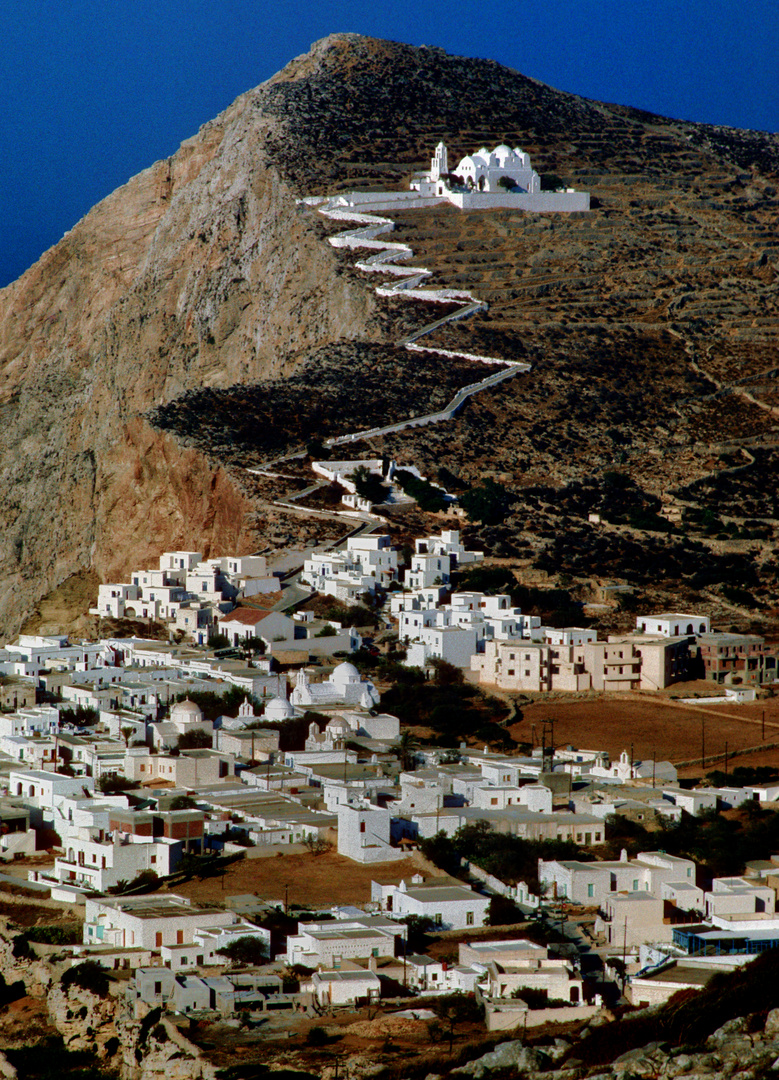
44,791
673,624
739,896
593,883
327,944
364,834
449,906
367,563
345,987
100,863
245,622
149,921
456,645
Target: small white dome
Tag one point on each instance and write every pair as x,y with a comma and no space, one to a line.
278,708
186,711
344,674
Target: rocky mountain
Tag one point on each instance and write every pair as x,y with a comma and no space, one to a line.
195,320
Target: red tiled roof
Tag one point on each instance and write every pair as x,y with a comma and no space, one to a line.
245,615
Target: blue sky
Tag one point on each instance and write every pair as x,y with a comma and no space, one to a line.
95,92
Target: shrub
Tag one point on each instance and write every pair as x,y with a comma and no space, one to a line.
54,935
109,784
87,976
194,740
183,802
317,1036
488,504
248,950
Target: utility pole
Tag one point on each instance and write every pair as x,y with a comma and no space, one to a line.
624,955
547,755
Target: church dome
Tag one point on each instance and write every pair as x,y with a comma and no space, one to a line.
278,708
344,674
186,712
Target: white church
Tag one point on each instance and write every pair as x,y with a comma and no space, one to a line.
493,179
344,687
496,171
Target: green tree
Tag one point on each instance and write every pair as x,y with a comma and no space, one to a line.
369,485
250,951
183,802
406,748
417,929
488,504
194,740
446,674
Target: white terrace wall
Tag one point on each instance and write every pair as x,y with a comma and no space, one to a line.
545,202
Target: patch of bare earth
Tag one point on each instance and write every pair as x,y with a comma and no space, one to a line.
304,879
657,728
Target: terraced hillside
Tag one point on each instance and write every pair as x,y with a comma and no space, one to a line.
650,323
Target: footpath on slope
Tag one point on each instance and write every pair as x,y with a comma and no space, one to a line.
387,255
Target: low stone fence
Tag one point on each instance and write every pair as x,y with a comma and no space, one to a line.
508,1015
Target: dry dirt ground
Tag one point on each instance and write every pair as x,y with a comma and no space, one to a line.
655,727
315,880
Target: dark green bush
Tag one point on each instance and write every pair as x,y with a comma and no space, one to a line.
87,976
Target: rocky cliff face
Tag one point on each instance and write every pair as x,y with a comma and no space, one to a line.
200,271
642,320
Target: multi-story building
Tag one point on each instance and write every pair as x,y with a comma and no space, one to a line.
737,658
593,883
619,664
367,563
